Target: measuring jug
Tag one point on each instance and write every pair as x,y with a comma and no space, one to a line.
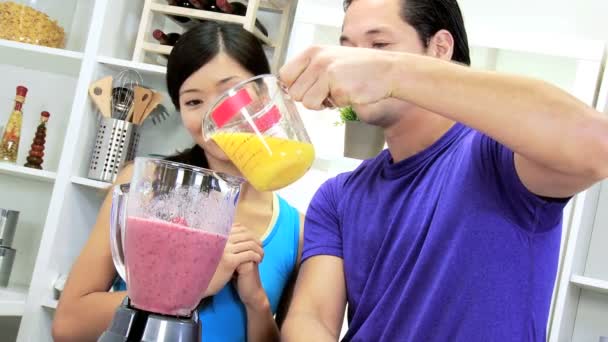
258,127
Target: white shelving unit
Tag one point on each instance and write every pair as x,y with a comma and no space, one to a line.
591,284
59,205
27,173
12,301
90,183
581,299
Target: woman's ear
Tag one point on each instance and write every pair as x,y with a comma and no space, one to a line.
441,45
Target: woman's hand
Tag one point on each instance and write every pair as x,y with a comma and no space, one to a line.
242,247
249,287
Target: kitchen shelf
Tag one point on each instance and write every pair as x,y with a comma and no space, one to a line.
592,284
137,66
40,58
50,304
12,301
157,48
90,183
27,173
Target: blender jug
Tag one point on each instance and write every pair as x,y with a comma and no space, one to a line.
258,127
169,227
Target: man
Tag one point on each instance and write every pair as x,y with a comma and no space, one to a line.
453,234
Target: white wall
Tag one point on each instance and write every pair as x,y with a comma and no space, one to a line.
582,18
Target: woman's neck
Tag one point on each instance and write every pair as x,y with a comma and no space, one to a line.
248,193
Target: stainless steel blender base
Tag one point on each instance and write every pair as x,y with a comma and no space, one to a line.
130,325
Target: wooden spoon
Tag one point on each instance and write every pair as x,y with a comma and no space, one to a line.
101,94
143,97
157,98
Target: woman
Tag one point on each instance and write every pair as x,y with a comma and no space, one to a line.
254,279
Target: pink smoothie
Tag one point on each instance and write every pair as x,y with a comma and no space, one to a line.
169,265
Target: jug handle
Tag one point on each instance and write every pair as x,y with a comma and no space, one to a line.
118,221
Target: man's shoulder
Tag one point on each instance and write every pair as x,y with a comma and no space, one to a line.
367,168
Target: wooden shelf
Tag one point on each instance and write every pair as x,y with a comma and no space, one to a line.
27,173
157,48
591,284
141,67
40,58
194,13
12,301
90,183
200,14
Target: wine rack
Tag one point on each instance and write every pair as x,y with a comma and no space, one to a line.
284,8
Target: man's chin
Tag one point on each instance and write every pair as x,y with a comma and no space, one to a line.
384,113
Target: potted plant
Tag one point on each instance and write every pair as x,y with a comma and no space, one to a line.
361,140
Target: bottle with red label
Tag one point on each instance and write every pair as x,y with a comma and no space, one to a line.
9,147
35,157
166,39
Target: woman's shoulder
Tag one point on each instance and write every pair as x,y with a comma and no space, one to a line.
286,209
291,224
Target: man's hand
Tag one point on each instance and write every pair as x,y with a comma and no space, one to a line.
346,76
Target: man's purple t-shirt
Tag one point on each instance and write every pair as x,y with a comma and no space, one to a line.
447,245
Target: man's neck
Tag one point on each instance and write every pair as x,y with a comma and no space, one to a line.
415,132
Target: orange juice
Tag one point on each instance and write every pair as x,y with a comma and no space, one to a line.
268,163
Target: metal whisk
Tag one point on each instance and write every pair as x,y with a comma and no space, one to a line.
123,93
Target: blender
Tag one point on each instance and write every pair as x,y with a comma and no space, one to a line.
168,228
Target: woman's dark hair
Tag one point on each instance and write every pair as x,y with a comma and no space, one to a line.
428,17
202,43
199,46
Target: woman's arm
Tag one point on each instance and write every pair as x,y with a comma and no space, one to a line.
261,325
288,292
85,308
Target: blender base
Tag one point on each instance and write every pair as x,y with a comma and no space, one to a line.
132,325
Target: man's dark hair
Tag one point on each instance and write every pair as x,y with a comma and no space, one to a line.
428,17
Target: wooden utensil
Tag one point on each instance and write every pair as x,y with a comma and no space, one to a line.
101,94
143,98
157,98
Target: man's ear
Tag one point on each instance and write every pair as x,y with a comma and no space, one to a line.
441,45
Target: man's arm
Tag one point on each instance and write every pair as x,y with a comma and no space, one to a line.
317,308
560,144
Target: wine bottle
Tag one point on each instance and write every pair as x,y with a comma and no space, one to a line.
9,146
181,3
211,5
225,6
240,9
166,39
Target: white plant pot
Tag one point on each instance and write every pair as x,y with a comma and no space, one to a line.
362,141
